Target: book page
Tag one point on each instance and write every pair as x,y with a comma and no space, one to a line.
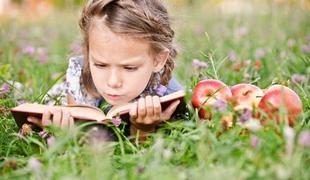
123,109
82,112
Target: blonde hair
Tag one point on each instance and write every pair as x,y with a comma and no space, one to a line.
146,19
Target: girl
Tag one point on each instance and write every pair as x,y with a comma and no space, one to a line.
128,57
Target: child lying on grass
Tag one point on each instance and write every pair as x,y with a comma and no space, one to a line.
128,57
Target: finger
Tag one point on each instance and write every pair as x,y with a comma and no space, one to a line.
133,111
169,110
65,119
46,118
149,110
57,114
141,110
71,122
157,107
35,121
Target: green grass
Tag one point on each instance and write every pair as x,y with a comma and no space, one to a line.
185,149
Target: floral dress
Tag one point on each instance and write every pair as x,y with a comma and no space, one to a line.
73,85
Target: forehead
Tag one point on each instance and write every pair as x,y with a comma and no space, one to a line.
105,44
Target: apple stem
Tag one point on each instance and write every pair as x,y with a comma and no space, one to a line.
246,92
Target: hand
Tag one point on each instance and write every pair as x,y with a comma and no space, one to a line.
146,113
61,118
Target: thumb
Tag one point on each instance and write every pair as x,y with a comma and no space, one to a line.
170,110
35,121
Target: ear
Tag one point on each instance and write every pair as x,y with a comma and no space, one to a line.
160,60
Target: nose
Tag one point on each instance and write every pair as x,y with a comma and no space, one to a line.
114,79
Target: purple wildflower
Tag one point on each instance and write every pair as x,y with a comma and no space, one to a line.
42,55
254,141
195,63
95,136
305,49
245,116
28,49
51,141
241,31
75,47
34,164
232,56
15,86
220,105
116,121
291,43
304,139
21,101
161,90
20,134
298,78
44,134
260,53
5,89
199,64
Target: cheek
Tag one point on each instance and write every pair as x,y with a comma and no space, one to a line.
139,79
97,76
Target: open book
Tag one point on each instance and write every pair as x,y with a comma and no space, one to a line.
85,112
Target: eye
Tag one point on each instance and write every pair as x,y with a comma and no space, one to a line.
99,65
130,68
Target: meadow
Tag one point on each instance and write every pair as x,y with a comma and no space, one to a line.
265,46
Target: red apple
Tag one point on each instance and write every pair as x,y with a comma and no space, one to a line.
246,96
278,97
206,93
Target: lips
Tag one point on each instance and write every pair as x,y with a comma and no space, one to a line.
113,96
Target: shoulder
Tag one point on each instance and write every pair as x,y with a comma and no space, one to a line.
72,86
73,74
74,83
173,86
75,65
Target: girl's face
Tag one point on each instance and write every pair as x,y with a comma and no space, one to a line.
120,66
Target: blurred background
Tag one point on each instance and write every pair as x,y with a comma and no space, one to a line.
261,42
255,41
39,8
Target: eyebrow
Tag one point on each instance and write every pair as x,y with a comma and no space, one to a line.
135,60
